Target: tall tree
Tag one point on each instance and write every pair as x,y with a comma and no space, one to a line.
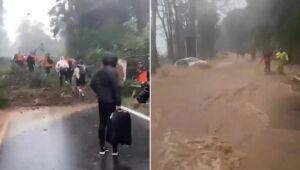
154,57
4,39
98,24
165,14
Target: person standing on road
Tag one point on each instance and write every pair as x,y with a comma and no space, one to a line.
62,67
283,58
105,84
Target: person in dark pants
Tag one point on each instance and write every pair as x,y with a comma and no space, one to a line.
105,84
62,67
144,94
72,64
267,57
30,62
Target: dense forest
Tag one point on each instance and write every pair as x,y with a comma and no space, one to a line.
216,26
265,25
84,29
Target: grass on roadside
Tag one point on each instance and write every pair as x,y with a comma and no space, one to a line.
144,108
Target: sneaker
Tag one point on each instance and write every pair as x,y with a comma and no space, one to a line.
115,153
103,150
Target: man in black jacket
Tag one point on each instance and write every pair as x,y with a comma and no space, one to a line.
105,84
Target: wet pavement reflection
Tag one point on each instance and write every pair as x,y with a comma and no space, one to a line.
49,141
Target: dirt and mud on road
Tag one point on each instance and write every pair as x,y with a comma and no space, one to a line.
229,116
46,97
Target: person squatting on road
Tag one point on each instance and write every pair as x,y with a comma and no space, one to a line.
62,67
143,95
79,76
267,57
283,58
105,84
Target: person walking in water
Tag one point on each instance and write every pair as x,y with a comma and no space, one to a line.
283,58
267,56
62,67
105,84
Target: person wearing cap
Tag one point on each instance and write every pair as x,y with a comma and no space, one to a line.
105,84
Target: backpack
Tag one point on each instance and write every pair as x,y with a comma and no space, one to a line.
50,61
82,70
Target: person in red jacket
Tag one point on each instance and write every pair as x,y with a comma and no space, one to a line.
20,59
144,93
143,76
47,64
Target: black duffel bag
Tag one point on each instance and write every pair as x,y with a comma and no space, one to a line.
119,128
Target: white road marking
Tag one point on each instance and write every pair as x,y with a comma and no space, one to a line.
140,115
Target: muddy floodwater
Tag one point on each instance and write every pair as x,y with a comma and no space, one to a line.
228,116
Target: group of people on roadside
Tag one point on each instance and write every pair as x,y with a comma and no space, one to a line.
67,68
282,58
31,59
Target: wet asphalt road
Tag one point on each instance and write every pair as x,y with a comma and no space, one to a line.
49,141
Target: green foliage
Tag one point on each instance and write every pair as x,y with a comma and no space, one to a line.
4,103
91,27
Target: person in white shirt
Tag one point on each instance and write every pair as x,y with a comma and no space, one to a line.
62,67
79,76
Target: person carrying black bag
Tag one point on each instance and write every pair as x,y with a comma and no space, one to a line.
105,84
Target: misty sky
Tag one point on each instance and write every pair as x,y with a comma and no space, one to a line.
34,10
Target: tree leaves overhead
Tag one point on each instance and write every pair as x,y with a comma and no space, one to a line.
90,25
